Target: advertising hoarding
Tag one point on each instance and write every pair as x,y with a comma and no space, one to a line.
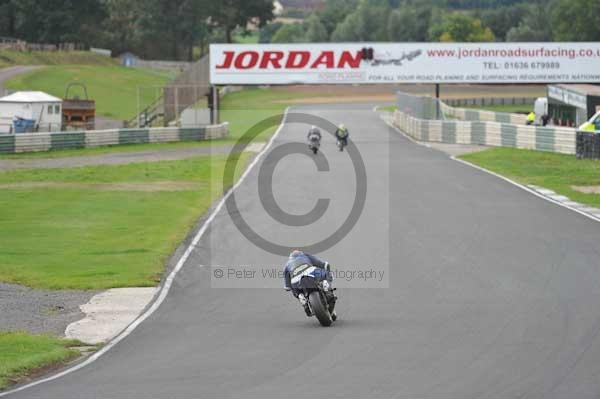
363,63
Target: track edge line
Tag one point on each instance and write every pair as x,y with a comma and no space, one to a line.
166,286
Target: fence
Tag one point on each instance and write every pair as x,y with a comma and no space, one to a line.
8,43
30,142
479,115
416,117
553,139
489,101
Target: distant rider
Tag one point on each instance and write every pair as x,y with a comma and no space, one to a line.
314,132
299,258
342,134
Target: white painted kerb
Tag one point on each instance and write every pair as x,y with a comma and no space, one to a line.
109,313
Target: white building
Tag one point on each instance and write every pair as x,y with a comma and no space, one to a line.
45,110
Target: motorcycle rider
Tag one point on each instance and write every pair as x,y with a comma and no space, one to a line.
314,131
299,258
342,134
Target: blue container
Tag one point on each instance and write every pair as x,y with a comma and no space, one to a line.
24,125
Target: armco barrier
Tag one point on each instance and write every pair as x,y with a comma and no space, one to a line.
485,116
30,142
553,139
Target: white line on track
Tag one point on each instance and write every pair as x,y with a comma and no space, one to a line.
529,190
514,183
164,291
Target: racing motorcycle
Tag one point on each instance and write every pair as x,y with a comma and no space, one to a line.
314,142
341,144
317,296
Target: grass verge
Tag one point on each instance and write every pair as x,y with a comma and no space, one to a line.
102,226
115,88
22,354
244,109
558,172
122,148
10,58
507,108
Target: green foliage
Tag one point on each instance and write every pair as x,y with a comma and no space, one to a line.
266,33
502,20
409,24
576,20
230,14
52,21
315,30
289,33
534,26
154,29
368,23
335,12
460,27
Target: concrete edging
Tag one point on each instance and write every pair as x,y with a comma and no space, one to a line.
33,142
552,139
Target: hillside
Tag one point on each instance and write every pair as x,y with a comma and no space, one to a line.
10,57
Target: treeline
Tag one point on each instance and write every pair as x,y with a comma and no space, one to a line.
443,20
166,29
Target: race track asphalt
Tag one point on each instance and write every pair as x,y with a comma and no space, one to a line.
493,292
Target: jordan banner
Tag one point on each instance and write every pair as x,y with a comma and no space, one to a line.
363,63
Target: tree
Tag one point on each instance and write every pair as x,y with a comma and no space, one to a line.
289,33
459,27
8,18
335,12
503,19
368,23
401,25
315,30
171,28
266,32
58,21
534,26
575,20
231,14
122,25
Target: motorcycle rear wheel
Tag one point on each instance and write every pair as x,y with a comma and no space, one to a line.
320,309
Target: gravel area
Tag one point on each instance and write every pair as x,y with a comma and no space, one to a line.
8,73
40,311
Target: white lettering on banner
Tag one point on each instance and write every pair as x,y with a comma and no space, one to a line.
567,97
342,63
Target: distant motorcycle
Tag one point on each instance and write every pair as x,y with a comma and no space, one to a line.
314,143
316,296
341,144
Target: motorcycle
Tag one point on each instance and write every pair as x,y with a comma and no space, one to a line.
341,144
314,142
317,296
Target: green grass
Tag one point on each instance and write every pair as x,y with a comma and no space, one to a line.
252,38
82,236
89,237
9,58
557,172
388,108
508,108
21,353
245,108
115,88
114,149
